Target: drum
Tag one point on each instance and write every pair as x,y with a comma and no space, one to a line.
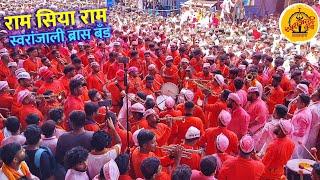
161,100
294,172
170,89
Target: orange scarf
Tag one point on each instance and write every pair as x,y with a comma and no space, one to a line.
13,174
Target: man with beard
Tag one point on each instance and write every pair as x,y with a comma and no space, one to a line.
161,131
239,117
301,121
257,109
14,167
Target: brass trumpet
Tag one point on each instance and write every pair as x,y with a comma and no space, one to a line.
202,86
169,118
201,80
185,152
136,99
59,96
250,77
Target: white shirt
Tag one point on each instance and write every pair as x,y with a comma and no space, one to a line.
76,175
96,162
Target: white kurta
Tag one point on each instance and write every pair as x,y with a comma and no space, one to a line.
315,124
301,122
265,135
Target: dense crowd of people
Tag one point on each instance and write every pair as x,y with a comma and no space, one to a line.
189,96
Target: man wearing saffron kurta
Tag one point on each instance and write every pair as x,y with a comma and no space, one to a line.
28,107
190,120
33,63
11,77
158,81
222,66
135,80
169,71
5,98
161,130
278,152
137,120
111,66
197,62
205,73
135,61
169,110
197,110
276,94
4,69
215,109
50,84
239,117
116,88
222,144
242,167
69,72
147,144
206,140
257,109
24,80
238,84
285,81
73,101
190,141
96,80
